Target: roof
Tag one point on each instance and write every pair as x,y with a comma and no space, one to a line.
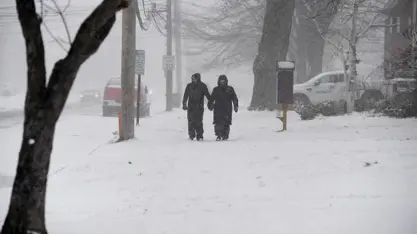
332,72
394,5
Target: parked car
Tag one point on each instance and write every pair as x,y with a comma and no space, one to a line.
397,89
331,86
327,86
400,90
90,96
112,98
7,90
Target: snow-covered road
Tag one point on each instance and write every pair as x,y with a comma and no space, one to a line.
349,174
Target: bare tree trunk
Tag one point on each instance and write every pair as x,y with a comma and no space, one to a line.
43,106
272,48
310,33
324,13
301,30
297,48
353,73
315,54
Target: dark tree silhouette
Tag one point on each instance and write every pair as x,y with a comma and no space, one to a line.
44,103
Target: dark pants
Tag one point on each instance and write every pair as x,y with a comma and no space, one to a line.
195,129
222,130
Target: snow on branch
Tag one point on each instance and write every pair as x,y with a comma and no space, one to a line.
368,17
227,32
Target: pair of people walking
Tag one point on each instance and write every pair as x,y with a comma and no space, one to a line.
222,101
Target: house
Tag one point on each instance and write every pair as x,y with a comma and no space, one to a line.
401,19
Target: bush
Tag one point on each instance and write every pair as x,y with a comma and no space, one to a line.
308,112
327,108
403,106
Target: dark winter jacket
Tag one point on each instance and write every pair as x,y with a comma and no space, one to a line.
193,99
223,100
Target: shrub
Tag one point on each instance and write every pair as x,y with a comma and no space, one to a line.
403,106
327,108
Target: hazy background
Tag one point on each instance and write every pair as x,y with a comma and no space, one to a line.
107,62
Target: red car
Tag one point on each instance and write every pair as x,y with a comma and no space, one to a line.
112,98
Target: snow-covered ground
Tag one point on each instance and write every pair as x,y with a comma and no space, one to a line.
12,103
349,174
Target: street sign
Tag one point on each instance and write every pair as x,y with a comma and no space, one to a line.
168,62
140,62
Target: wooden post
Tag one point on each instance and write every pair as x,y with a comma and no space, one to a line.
138,93
119,118
284,117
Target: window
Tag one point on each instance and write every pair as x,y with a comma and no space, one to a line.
340,78
326,79
398,24
395,23
391,23
115,81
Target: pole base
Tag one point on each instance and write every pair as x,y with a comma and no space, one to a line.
284,116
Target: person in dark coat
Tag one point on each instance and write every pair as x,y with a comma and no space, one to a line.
223,101
193,102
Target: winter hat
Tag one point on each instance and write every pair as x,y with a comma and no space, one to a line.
197,76
222,78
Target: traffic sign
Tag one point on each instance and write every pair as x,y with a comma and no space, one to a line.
168,62
140,62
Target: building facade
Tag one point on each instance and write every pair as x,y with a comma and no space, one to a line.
399,32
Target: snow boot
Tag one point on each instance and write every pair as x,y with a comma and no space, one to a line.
219,138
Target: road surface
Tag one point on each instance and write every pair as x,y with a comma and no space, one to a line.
13,117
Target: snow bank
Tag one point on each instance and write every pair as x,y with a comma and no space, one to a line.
17,102
348,174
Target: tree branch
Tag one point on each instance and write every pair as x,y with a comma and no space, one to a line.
56,39
371,24
61,14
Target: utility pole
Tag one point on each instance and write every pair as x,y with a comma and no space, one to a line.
127,130
169,71
178,49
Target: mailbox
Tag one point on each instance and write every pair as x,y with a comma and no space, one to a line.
285,82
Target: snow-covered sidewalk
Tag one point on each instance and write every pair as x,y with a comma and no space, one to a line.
349,174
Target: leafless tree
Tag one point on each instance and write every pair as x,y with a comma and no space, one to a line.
227,34
355,20
45,100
